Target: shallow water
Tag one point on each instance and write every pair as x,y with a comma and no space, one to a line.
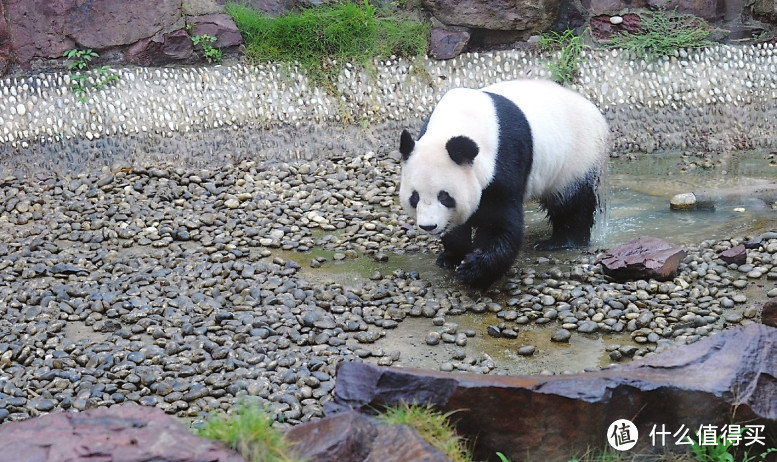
640,191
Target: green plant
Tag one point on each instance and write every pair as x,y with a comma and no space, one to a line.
604,455
762,456
205,41
335,32
662,33
713,453
434,427
80,82
502,457
569,48
249,431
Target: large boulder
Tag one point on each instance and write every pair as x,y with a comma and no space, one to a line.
723,379
345,437
708,9
643,258
500,15
447,44
149,32
354,437
45,29
128,433
5,43
111,23
36,28
220,26
161,49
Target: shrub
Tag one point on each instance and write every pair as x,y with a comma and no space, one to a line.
662,34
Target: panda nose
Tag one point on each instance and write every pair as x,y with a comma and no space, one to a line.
427,228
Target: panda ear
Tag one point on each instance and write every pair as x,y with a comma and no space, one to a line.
406,144
462,149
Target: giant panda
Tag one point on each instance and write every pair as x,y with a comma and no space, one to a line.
483,152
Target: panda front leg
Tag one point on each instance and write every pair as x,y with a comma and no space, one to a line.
456,244
496,245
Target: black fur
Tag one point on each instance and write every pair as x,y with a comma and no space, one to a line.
406,144
498,221
572,214
462,150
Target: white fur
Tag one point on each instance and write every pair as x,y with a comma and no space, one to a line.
569,137
430,169
569,133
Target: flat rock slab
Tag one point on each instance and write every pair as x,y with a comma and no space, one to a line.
643,258
723,379
119,433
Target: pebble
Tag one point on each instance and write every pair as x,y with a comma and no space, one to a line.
526,350
561,336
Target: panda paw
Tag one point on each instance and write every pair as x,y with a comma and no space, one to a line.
448,260
473,270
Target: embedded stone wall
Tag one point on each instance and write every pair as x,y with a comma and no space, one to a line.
717,99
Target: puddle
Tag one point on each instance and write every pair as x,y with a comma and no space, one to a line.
638,206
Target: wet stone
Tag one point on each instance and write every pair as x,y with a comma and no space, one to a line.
561,336
588,327
526,350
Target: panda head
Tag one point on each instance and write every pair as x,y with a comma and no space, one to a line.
439,187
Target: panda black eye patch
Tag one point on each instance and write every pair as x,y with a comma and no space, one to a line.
446,199
414,199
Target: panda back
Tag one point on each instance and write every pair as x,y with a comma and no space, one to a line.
569,134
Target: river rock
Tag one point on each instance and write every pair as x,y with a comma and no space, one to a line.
522,416
769,313
736,255
117,433
643,258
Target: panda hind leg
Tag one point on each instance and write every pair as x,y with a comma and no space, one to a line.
572,216
456,244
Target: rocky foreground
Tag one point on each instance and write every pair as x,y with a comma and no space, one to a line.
180,288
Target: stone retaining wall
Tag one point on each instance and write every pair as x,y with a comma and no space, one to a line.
716,99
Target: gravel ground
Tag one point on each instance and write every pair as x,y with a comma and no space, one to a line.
173,278
173,287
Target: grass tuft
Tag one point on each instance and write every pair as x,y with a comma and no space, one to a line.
432,426
336,31
569,48
250,432
662,34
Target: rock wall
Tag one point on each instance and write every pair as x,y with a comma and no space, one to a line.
35,33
